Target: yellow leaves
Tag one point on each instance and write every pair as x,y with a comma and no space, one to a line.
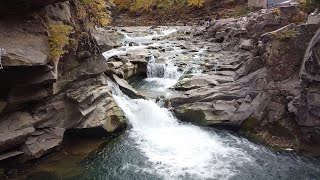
96,10
141,5
197,3
147,5
58,39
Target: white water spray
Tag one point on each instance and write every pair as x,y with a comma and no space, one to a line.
177,150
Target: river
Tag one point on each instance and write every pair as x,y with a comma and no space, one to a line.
157,146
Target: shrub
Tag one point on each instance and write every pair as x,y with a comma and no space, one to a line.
287,34
95,10
58,39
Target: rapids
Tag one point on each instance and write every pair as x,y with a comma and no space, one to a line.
158,146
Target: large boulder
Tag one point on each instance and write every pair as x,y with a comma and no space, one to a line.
309,101
86,104
126,88
22,48
15,129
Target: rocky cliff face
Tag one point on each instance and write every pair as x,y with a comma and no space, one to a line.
36,107
253,83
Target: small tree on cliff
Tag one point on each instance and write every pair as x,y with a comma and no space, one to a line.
58,39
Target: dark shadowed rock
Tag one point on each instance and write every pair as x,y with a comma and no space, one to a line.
42,141
15,129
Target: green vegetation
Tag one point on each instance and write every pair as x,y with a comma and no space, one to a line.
309,6
148,5
95,10
287,34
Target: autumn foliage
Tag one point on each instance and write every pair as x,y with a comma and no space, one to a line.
95,10
147,5
58,39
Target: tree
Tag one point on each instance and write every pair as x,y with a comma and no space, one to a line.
58,39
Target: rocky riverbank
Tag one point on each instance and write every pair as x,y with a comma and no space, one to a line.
37,105
255,79
256,74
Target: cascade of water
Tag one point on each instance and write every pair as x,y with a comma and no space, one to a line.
175,149
155,69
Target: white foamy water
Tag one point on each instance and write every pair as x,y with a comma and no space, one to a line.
123,50
178,150
162,75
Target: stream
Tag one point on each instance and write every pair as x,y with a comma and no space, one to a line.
157,146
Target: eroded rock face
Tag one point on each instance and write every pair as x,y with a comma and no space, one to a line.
33,114
309,100
258,90
87,104
15,129
21,48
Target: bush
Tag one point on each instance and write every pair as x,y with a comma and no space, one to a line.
287,34
95,10
58,39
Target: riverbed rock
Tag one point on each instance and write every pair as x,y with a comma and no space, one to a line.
207,113
127,89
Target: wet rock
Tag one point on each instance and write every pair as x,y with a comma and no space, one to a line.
205,113
106,115
127,89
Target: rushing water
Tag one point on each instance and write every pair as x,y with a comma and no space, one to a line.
158,146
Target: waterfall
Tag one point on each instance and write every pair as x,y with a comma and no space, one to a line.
165,70
176,150
155,69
